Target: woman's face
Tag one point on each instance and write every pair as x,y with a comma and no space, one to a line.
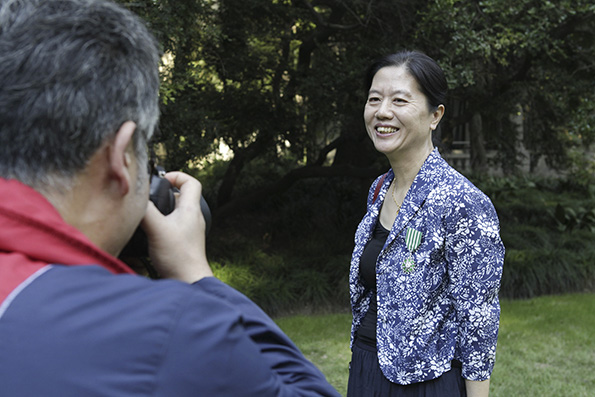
397,116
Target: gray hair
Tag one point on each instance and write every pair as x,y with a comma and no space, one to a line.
71,73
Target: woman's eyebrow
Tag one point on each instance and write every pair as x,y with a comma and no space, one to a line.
392,93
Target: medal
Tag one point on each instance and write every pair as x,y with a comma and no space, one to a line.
409,265
412,240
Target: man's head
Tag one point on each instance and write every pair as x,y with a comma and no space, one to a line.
71,73
78,102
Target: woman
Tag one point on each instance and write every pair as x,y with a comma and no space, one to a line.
427,262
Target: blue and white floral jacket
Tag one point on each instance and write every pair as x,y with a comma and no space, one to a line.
445,305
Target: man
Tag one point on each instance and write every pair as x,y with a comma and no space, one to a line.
78,103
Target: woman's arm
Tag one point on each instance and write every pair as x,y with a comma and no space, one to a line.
475,255
477,388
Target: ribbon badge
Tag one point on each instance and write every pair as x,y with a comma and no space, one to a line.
412,240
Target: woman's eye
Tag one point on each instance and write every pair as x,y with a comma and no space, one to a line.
373,99
400,100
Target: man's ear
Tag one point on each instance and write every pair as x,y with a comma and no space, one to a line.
120,157
437,116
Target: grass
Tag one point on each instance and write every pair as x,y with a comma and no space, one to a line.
324,339
546,346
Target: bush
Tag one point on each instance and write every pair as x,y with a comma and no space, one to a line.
548,229
530,272
281,286
293,251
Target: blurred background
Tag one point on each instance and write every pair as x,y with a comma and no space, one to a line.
262,100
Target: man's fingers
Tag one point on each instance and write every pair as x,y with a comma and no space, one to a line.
151,218
182,180
190,188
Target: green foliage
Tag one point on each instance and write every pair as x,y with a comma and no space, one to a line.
261,277
569,218
279,285
500,54
295,246
547,229
579,138
279,83
301,240
541,271
293,251
281,80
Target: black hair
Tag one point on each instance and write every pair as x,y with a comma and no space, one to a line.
428,74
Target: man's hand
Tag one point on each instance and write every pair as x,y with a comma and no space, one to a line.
177,241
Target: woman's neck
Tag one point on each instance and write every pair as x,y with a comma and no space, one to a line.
406,169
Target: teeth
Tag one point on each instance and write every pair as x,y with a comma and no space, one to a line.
386,130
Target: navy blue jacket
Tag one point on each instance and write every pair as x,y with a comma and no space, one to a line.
437,276
85,329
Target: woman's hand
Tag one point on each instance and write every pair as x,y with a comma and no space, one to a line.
477,388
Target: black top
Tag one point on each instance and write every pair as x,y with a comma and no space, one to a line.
367,330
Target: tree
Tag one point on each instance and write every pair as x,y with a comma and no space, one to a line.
501,54
278,81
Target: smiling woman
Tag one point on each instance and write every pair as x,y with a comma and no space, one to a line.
427,264
398,118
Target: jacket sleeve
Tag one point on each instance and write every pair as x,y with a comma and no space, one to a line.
475,256
232,348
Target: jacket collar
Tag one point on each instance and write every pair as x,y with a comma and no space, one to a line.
31,226
425,181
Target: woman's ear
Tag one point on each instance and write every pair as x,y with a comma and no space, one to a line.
437,116
120,157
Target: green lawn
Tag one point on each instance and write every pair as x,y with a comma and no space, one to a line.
545,348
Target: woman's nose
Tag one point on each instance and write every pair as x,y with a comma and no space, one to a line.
384,111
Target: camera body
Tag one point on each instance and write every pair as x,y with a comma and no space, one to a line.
162,194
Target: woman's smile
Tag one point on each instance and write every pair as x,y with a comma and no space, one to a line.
384,130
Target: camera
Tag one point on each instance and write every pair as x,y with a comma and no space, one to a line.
162,194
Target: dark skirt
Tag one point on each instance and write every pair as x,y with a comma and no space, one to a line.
367,380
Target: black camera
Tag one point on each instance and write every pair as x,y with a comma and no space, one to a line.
162,194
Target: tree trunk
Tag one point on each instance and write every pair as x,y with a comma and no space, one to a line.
478,153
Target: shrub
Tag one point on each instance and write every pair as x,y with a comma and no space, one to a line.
280,286
548,229
531,272
293,251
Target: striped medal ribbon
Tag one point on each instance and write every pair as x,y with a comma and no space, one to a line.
412,240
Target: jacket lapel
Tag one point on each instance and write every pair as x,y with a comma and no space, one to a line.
426,180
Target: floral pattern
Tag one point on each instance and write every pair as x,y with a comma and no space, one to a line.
447,307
